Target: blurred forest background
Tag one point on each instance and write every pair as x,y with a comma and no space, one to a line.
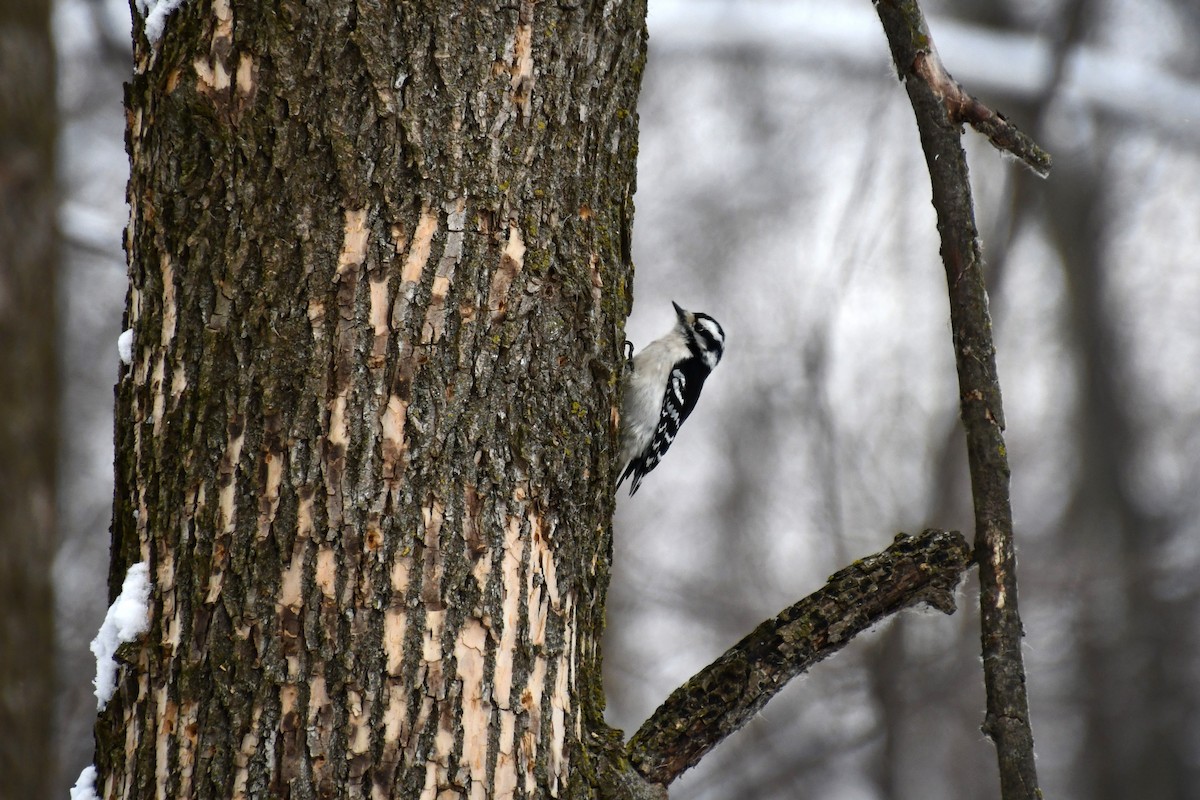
782,190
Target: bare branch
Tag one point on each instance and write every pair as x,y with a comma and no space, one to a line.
1007,721
723,696
962,107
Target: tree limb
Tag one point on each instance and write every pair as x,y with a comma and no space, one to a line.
962,107
918,58
1007,721
723,696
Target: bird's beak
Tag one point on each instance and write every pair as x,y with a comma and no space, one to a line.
682,313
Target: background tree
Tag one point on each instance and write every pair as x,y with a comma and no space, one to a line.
28,400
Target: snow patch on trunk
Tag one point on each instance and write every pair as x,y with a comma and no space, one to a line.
127,619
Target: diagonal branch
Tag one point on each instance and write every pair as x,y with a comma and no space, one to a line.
962,107
723,696
1007,721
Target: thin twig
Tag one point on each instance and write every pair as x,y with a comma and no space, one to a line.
723,696
1007,720
962,107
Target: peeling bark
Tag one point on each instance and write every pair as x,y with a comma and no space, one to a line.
377,284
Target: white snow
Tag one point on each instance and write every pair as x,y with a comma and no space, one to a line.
125,347
156,13
128,617
85,787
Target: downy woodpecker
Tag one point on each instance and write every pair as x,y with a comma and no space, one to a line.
662,388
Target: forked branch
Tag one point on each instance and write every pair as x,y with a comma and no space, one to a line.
1007,721
962,107
723,696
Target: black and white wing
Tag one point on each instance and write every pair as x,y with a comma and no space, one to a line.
683,390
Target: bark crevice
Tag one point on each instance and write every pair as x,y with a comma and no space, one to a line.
364,444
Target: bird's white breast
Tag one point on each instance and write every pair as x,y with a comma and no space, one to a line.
644,388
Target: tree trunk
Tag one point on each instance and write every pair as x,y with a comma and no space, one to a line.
28,391
379,273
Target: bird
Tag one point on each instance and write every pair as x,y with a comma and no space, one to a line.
661,386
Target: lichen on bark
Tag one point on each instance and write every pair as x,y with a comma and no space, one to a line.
366,442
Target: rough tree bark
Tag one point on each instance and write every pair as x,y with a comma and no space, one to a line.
378,277
726,694
28,391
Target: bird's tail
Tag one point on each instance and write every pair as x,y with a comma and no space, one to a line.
631,469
